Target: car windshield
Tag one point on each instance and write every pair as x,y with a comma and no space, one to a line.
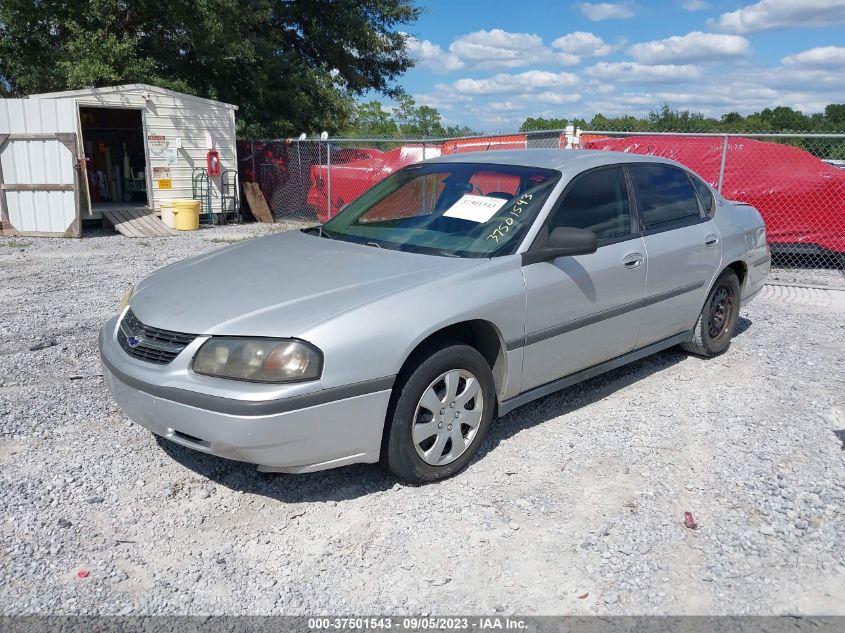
453,209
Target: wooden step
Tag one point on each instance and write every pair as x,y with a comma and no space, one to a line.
137,222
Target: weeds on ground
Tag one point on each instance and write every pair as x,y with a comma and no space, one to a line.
15,244
228,240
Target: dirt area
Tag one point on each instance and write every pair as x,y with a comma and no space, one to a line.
575,504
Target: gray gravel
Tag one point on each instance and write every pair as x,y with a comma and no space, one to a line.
575,506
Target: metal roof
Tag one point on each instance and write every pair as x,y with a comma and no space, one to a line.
558,159
84,92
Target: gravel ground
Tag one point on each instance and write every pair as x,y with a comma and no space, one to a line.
574,506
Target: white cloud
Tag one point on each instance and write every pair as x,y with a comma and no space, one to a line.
498,122
742,90
775,14
431,56
597,11
567,59
498,48
578,44
694,5
638,98
790,78
692,47
822,57
597,87
634,72
556,98
507,106
511,83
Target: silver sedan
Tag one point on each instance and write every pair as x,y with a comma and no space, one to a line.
450,293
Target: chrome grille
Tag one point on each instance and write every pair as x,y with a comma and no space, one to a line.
151,344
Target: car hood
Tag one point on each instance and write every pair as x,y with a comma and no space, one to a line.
279,285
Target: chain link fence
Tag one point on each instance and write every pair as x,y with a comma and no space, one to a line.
796,181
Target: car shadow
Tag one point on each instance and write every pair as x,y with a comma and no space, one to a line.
361,480
576,397
742,324
349,482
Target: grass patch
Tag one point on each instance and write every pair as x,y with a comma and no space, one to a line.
15,244
228,240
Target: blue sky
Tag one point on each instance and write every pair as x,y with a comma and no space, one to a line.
490,64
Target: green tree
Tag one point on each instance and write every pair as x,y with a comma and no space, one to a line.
291,66
834,115
535,124
417,121
460,130
370,119
668,119
785,119
406,120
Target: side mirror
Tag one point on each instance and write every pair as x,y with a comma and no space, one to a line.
561,242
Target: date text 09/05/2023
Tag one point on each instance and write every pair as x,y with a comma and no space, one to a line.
417,624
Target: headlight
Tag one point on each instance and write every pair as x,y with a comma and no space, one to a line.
259,359
127,297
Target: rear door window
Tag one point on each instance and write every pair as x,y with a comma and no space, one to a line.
704,194
665,196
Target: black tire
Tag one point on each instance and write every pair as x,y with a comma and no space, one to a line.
716,323
399,453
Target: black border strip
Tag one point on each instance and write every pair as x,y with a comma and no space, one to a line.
414,623
591,319
230,406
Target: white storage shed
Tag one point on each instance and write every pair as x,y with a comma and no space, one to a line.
66,157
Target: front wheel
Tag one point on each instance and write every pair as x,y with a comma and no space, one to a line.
716,323
440,415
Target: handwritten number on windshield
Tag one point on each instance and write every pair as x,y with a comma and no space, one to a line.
508,221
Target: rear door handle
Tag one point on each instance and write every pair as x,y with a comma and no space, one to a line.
633,260
711,240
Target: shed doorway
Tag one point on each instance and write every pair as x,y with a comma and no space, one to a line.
113,140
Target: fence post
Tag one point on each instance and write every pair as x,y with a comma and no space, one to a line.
328,179
722,165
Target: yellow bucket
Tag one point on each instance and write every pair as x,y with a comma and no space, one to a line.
187,214
167,215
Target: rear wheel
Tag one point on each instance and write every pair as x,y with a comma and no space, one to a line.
440,415
717,321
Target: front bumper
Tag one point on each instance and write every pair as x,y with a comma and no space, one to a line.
301,433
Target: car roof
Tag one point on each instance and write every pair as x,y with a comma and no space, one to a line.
559,159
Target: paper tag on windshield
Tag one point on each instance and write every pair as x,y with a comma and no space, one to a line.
475,208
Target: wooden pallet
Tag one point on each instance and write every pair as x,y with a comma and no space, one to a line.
137,223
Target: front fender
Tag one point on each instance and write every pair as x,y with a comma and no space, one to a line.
375,340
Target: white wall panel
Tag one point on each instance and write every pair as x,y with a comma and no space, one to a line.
38,162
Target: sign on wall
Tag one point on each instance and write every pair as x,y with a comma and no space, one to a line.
157,145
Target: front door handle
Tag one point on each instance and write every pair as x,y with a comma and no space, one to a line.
633,260
711,240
